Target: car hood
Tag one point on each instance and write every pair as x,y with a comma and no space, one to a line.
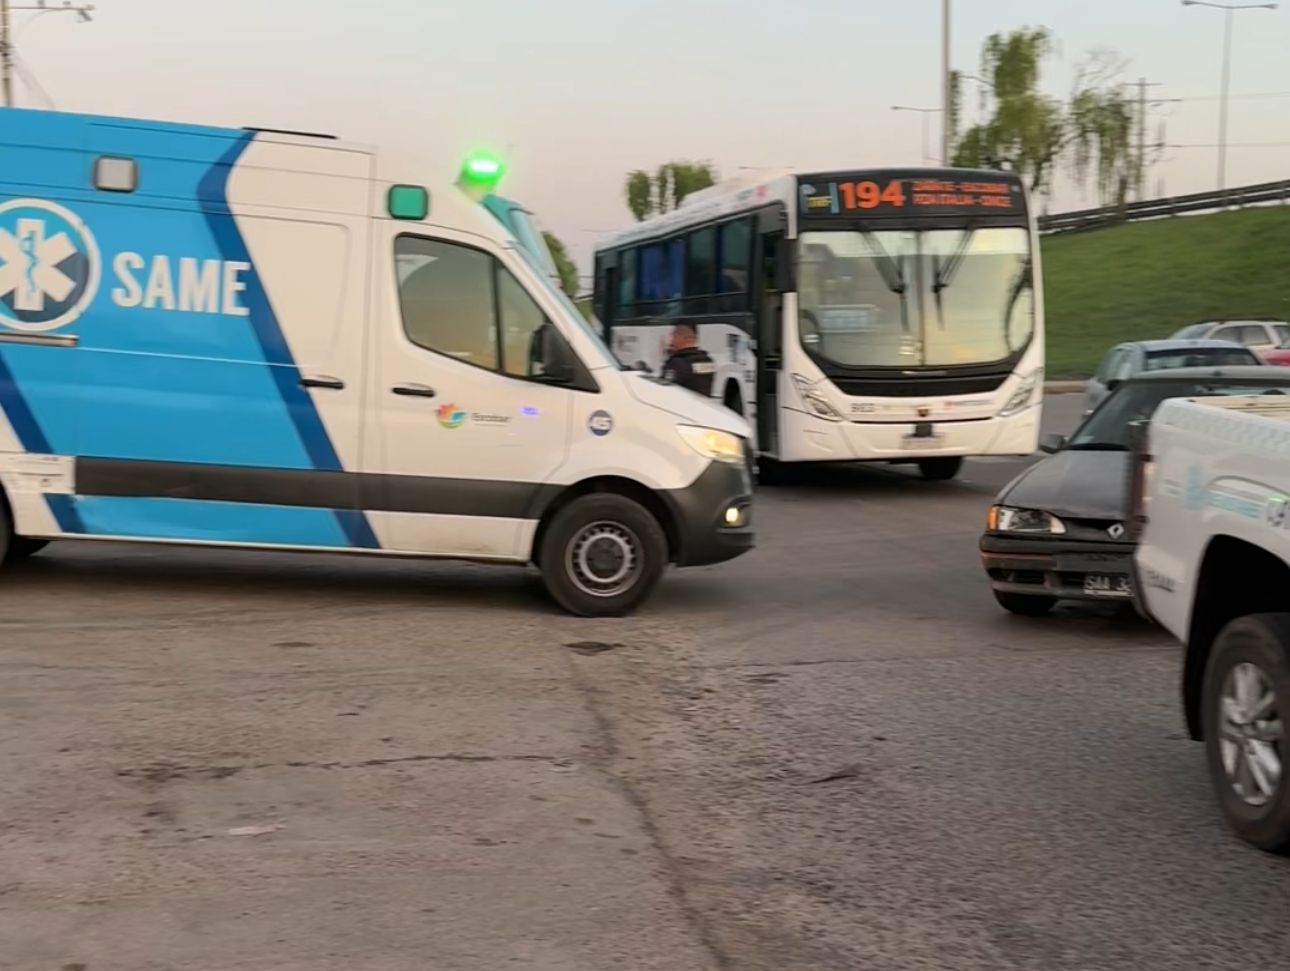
693,409
1074,484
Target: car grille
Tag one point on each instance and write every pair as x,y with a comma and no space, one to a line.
1096,530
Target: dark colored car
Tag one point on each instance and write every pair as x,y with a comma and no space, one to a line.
1057,531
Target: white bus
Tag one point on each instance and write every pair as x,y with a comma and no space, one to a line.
884,315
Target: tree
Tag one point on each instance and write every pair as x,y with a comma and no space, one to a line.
640,194
564,264
665,190
1032,133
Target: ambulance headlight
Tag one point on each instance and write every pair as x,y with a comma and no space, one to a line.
714,444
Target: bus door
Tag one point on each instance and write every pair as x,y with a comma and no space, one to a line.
773,266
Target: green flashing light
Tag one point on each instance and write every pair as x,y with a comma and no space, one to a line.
482,170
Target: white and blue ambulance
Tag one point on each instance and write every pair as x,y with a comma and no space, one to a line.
272,340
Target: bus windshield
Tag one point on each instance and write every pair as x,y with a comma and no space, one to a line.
915,298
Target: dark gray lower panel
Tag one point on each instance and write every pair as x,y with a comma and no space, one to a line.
309,487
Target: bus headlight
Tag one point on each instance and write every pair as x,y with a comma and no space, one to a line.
816,403
1024,395
713,444
1009,519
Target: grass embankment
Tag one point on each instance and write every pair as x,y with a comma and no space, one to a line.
1146,280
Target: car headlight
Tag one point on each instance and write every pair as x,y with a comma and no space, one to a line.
1025,394
714,444
1009,519
815,401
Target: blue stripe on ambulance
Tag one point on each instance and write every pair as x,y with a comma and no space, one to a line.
167,384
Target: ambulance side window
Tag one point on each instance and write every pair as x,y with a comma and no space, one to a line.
522,322
446,296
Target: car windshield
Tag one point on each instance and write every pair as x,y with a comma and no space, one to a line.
1193,332
1200,357
1107,429
916,297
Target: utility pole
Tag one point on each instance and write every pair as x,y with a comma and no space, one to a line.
947,94
82,11
1145,105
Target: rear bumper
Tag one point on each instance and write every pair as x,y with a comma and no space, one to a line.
1057,568
699,511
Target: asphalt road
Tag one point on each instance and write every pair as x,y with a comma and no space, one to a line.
835,753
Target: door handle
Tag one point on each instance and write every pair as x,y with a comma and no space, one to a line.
322,381
413,390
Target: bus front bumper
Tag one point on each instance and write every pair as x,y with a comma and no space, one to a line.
806,438
713,515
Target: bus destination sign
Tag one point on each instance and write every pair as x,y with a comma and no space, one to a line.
896,194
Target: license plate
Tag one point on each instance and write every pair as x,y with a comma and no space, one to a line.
923,436
1101,585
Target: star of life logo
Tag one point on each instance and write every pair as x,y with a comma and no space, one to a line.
49,265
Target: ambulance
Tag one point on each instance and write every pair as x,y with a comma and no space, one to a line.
271,340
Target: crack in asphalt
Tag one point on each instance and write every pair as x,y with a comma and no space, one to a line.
669,864
162,772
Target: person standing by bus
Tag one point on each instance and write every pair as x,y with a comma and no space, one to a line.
688,364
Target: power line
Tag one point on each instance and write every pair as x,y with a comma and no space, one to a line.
1255,96
1238,145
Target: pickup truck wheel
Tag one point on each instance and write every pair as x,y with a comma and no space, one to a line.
1025,604
1246,701
602,555
20,547
940,470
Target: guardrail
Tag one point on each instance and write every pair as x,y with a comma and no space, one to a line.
1268,193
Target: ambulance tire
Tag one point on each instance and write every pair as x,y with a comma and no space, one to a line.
20,547
602,555
6,528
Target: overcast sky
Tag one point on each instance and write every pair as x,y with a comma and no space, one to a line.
580,91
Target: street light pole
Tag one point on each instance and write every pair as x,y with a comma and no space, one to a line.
1229,11
82,11
1229,16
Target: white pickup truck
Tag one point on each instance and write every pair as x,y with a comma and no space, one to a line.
1212,493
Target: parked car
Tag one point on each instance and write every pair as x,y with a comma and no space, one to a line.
1278,355
1134,357
1258,335
1058,531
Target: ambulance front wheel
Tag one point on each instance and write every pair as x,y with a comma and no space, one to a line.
602,555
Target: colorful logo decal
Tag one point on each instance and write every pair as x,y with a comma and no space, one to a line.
601,423
49,265
450,416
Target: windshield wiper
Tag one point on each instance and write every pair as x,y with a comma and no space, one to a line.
1024,280
943,275
892,271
